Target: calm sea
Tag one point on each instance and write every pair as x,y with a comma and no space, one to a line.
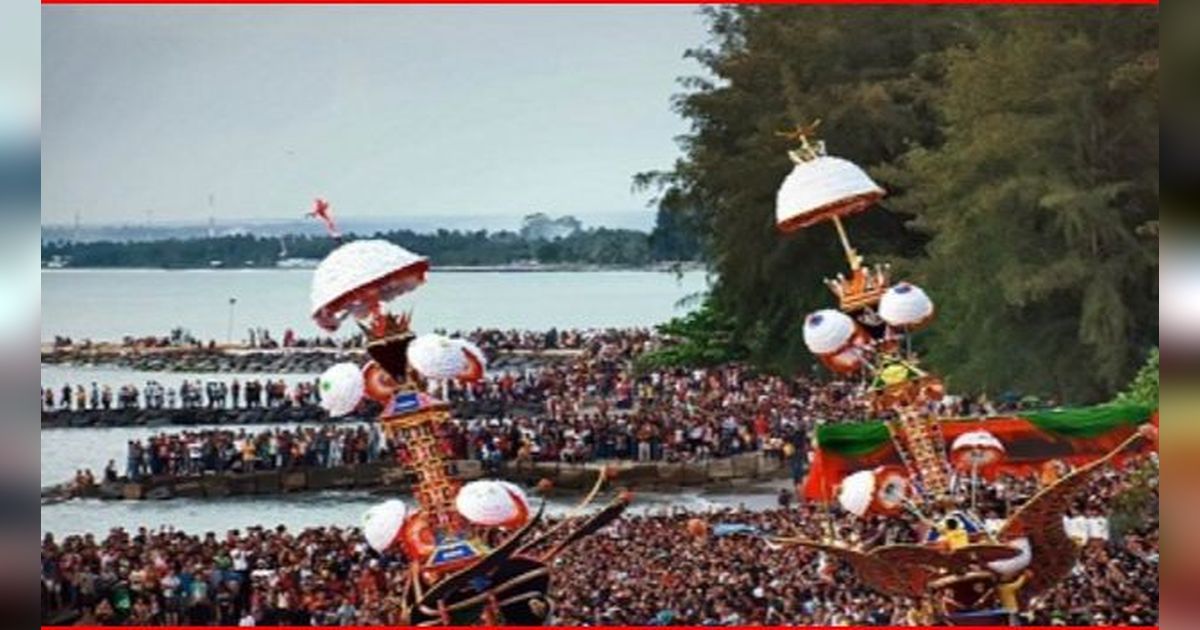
109,304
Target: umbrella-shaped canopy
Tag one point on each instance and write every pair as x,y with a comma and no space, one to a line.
360,275
821,188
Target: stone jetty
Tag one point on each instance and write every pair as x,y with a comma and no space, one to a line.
726,472
284,414
235,359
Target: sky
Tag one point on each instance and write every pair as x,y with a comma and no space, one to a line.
182,113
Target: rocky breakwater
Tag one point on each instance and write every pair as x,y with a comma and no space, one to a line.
137,417
282,414
728,472
233,360
215,360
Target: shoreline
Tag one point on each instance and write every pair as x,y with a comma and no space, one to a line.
239,359
667,267
238,416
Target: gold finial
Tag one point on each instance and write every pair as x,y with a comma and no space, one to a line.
809,150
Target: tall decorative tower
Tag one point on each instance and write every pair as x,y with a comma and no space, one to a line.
957,567
454,578
865,336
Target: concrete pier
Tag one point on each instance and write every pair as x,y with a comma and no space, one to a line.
716,473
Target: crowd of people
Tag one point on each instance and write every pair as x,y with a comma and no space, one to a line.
220,450
596,405
647,569
190,394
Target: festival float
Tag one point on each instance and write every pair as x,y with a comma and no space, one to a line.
914,462
457,576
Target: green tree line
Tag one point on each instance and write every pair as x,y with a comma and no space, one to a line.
1019,147
597,246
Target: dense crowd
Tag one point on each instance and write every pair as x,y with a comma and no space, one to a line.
219,450
595,406
648,569
190,394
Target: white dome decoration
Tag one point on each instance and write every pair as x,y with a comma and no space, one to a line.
905,305
491,503
976,440
857,492
359,273
822,187
437,356
976,449
341,387
382,523
827,331
1012,566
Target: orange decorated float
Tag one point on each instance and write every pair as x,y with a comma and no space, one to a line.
913,461
455,576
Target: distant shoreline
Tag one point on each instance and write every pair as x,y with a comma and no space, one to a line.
581,268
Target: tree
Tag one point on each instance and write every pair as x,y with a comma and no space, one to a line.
1144,387
704,337
675,236
866,73
1022,141
1034,200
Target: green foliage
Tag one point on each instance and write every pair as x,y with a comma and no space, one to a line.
1143,390
1034,199
704,337
599,246
863,72
1020,150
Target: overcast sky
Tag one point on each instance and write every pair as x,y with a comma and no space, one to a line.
387,111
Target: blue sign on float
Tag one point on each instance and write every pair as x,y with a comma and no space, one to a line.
405,402
452,552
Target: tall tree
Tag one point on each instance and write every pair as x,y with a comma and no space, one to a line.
1023,141
1033,203
866,73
